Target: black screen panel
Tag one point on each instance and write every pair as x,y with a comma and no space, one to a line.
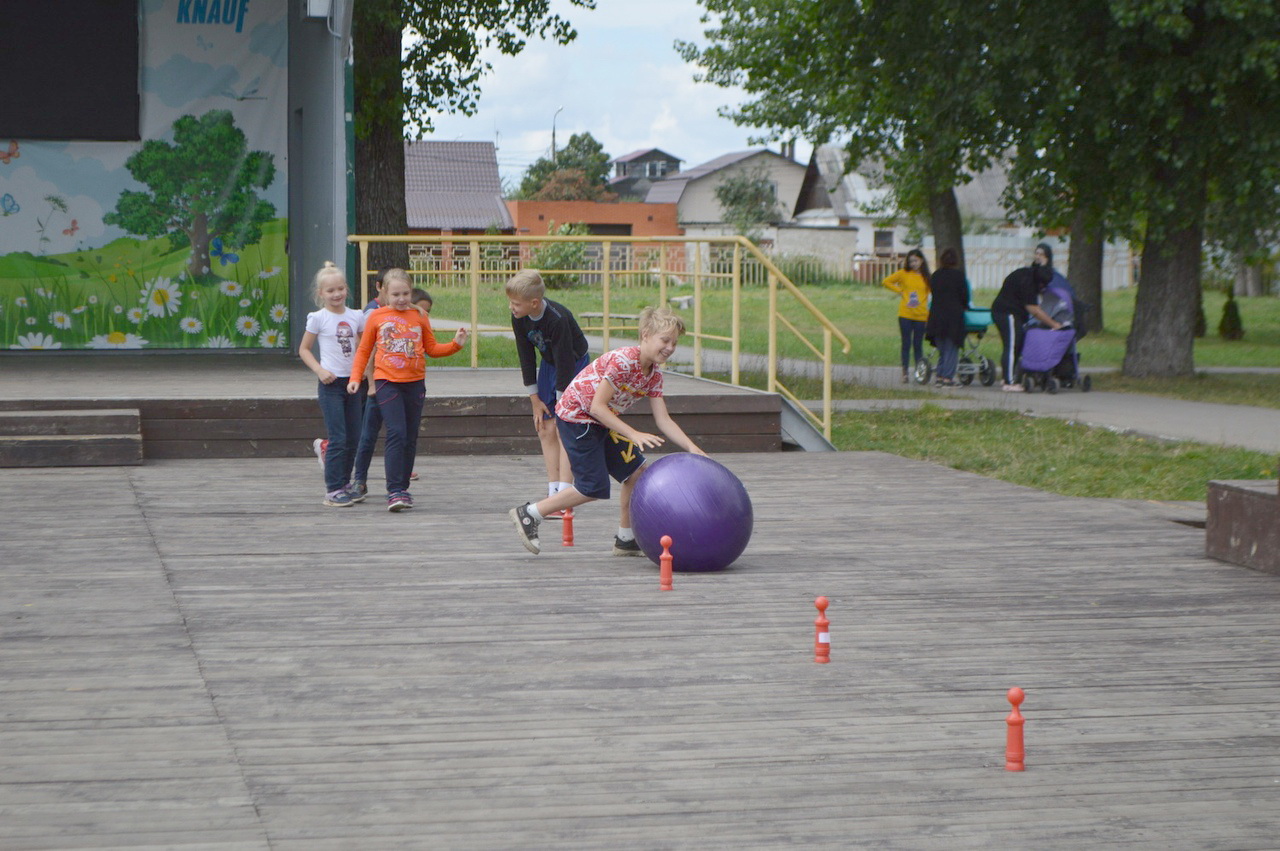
69,70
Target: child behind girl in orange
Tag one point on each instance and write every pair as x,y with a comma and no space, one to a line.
399,338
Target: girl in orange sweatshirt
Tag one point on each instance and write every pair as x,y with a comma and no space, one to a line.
399,338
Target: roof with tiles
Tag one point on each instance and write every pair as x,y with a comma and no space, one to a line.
669,189
635,155
453,185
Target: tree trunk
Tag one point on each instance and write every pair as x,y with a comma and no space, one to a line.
199,265
1161,339
1086,268
944,216
379,110
1249,281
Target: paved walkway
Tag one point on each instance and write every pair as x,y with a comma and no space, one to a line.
1151,416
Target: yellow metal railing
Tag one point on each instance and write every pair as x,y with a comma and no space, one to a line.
618,263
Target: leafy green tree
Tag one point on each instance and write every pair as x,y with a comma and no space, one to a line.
1126,116
1155,112
583,154
201,189
570,184
412,58
749,200
904,83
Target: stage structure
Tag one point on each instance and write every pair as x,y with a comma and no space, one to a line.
172,172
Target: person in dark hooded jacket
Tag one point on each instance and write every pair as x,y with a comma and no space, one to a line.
945,328
1018,301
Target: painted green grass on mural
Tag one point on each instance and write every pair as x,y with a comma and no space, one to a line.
133,294
1050,454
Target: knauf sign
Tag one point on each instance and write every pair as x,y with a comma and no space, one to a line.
213,12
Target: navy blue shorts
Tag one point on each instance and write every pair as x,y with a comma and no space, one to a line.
596,453
547,381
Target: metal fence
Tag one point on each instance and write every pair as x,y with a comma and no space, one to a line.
694,265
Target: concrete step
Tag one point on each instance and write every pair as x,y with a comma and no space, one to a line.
71,438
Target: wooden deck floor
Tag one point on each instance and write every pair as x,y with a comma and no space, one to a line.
197,654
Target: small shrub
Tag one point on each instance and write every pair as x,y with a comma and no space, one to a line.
1231,328
553,256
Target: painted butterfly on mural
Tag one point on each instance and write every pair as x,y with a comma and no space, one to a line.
71,231
8,206
215,250
11,154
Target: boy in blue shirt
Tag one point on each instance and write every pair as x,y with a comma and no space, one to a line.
547,328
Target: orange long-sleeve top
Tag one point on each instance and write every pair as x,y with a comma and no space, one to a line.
400,341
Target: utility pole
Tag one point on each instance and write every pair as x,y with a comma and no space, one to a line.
553,135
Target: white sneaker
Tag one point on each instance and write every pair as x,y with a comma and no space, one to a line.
1012,388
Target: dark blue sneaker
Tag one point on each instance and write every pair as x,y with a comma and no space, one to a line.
338,499
355,493
399,501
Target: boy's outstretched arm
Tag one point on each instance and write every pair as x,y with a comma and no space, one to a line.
666,425
603,414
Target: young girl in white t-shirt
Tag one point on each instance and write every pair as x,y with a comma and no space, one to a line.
337,328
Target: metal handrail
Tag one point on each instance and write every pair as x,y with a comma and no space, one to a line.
742,247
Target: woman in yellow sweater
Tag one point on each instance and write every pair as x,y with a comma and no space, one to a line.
911,283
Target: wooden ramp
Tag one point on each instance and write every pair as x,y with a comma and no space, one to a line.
197,654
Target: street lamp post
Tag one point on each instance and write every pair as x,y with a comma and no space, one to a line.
553,135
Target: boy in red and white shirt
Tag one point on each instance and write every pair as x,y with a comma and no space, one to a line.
598,442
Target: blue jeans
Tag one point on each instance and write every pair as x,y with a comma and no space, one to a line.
401,404
341,411
948,357
368,438
912,340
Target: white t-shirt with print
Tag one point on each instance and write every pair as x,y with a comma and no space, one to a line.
339,334
621,368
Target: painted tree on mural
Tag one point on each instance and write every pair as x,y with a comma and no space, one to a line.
412,58
201,191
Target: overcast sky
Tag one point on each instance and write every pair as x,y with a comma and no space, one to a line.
621,80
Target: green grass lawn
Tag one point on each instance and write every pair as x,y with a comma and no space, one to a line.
1044,453
867,315
1050,454
1262,391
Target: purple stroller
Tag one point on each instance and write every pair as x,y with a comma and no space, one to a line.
1049,358
1042,353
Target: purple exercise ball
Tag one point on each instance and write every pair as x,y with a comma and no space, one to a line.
700,504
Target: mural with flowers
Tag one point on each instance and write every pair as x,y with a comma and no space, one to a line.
176,242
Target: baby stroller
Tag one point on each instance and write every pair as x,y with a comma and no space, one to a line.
971,362
1049,358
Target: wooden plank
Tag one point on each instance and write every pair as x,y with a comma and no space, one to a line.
90,421
71,450
217,657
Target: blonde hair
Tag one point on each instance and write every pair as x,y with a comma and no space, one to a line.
327,271
396,274
526,284
655,320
